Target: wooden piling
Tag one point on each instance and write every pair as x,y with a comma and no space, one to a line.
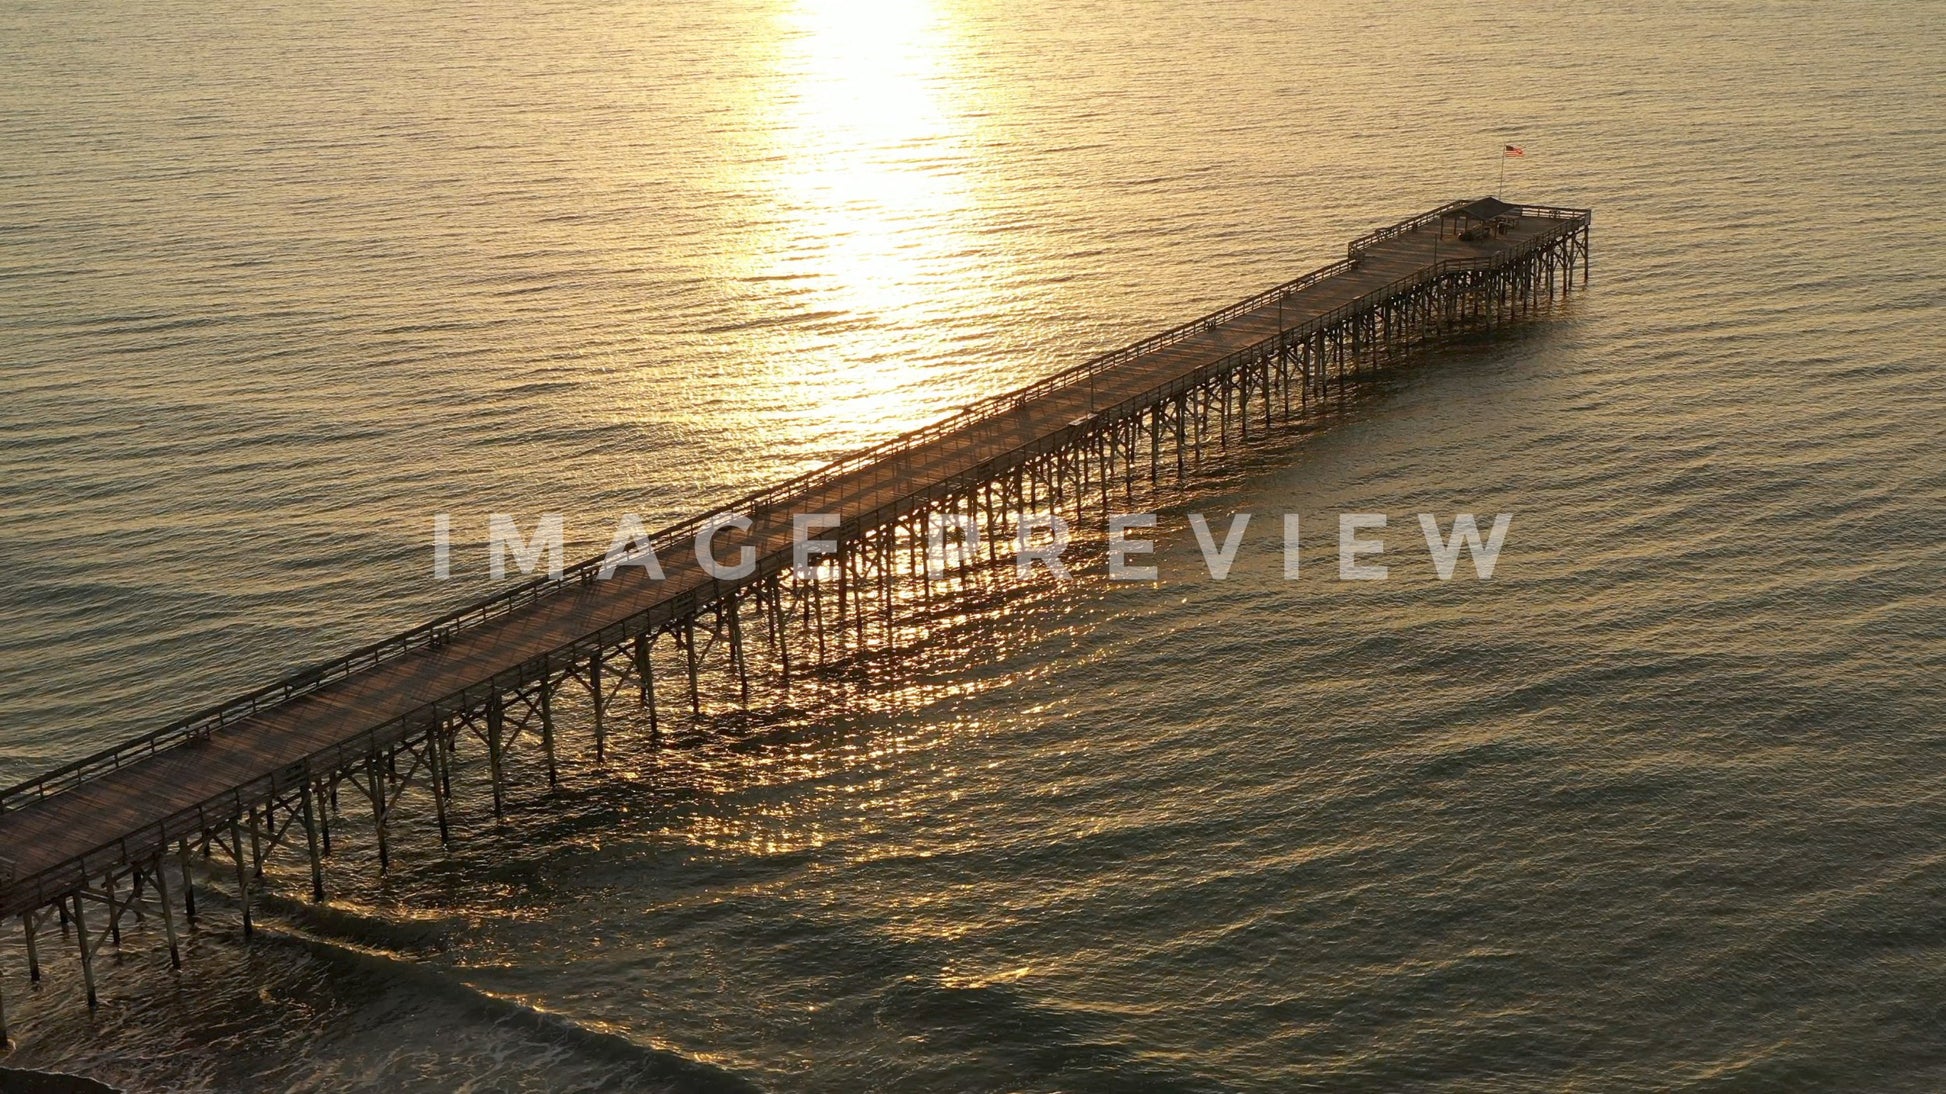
594,690
168,913
736,650
114,912
29,926
437,782
496,725
311,844
381,812
242,876
88,946
642,686
547,736
689,653
188,883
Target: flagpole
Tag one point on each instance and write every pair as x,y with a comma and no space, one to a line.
1503,172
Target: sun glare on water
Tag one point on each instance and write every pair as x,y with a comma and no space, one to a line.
866,175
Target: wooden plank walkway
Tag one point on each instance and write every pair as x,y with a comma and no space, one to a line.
76,821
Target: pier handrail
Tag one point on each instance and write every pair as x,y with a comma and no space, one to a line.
430,634
1412,224
21,893
499,605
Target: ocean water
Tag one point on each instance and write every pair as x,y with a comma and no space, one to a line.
1660,805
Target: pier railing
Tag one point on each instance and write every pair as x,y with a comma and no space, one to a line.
442,630
1412,224
149,840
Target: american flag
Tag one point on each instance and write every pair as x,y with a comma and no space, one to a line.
1513,150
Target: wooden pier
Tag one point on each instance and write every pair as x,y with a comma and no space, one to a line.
110,840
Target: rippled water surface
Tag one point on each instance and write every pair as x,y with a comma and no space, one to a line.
1660,805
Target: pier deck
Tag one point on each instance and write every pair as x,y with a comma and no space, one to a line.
190,783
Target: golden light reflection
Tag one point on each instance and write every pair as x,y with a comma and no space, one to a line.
865,173
866,71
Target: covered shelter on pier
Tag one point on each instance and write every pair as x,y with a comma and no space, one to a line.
1481,219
